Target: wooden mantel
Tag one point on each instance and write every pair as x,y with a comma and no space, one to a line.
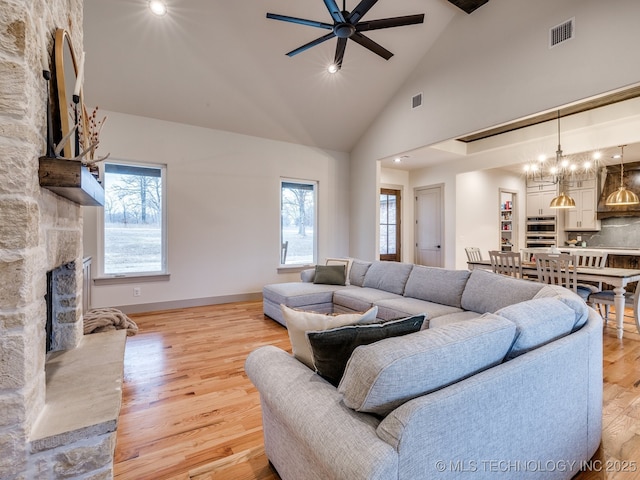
72,180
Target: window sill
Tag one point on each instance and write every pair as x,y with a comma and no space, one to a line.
116,280
294,268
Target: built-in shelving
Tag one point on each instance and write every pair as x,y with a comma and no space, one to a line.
508,222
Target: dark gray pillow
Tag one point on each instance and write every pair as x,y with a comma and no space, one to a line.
330,274
332,348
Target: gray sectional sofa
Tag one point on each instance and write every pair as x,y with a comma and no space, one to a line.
503,381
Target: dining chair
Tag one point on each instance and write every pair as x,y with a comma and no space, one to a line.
605,298
591,259
506,263
473,254
560,269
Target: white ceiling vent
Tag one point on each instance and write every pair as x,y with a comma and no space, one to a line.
561,33
416,100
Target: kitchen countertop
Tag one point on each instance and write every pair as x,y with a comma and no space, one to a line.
608,250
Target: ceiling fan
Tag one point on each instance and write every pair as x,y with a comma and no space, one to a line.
347,25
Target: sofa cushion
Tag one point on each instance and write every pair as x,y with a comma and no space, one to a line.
388,276
399,307
462,316
570,299
361,298
538,322
358,271
384,375
437,285
298,294
332,348
489,292
299,322
330,274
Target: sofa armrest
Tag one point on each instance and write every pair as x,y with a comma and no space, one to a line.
307,427
308,275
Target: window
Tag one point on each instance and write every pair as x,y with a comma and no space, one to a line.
134,234
298,232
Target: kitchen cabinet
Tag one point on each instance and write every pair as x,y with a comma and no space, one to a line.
539,198
583,217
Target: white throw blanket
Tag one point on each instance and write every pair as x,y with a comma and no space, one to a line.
103,319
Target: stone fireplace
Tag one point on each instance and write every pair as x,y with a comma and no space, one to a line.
39,232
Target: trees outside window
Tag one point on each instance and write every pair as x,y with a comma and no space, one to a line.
134,226
298,232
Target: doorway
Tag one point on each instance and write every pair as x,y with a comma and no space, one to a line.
390,215
429,226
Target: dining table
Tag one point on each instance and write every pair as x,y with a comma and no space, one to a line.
618,278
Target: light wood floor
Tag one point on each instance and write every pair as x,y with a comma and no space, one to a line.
189,411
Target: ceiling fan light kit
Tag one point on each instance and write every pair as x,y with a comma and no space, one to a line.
348,25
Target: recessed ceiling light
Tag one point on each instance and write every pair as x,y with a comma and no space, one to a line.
158,7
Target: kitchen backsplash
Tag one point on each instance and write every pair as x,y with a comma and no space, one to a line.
615,232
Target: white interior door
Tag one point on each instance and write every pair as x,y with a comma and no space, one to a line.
429,217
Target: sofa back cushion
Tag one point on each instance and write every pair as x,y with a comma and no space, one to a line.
437,285
538,322
489,292
358,271
384,375
569,298
299,322
388,276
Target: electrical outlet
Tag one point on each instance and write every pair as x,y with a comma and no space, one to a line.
579,238
137,291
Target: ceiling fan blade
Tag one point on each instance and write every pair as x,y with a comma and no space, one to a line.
363,7
340,48
315,42
390,22
371,45
301,21
335,11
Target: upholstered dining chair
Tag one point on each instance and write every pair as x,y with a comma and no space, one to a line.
560,269
506,263
605,298
473,254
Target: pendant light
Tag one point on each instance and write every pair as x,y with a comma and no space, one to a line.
622,196
563,200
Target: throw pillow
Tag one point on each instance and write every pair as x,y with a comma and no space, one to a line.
330,274
299,321
333,348
347,262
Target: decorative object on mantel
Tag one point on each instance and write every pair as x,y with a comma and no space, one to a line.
62,169
108,318
622,196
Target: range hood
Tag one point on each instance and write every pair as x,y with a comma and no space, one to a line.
611,183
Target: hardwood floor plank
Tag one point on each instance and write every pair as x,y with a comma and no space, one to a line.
190,413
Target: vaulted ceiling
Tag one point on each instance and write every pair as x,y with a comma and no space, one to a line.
221,64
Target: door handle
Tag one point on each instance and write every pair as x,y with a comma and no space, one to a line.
437,246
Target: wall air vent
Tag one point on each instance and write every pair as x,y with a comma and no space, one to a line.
561,33
416,100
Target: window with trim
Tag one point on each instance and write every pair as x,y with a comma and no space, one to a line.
134,226
298,226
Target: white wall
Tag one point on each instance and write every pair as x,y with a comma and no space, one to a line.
223,202
477,219
491,67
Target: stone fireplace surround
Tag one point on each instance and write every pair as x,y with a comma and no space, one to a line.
40,231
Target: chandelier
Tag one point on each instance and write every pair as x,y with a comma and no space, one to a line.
562,171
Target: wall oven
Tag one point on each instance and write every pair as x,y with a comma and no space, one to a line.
541,232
